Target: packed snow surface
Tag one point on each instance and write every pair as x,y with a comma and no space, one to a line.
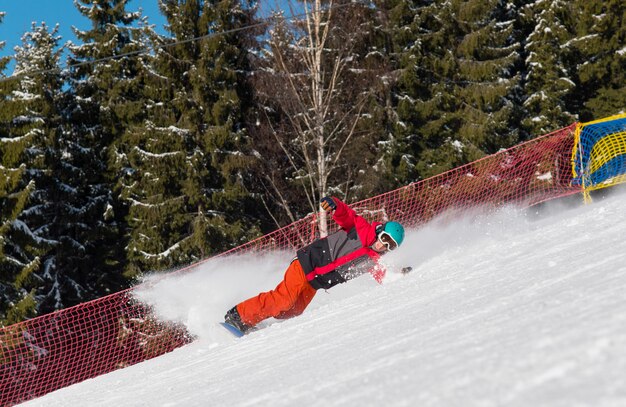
506,309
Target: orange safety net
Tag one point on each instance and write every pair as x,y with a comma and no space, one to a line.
59,349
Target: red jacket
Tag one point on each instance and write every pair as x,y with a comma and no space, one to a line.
344,254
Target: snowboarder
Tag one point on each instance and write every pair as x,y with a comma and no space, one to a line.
334,259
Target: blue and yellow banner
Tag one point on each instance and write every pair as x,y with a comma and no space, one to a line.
599,154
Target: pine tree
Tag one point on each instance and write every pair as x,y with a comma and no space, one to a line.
18,247
89,219
600,58
185,163
41,100
455,97
403,148
548,84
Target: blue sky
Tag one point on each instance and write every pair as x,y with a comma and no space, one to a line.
21,13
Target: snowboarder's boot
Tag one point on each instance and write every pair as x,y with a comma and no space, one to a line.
233,318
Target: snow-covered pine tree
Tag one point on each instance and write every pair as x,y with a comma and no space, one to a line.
226,215
18,250
601,57
101,102
488,53
37,100
185,162
455,96
549,71
402,148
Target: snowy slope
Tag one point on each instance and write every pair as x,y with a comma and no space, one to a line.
502,310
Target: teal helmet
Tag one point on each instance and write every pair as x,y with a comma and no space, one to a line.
395,230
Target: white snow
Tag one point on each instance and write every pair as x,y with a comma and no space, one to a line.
153,155
457,145
579,39
545,176
501,310
164,254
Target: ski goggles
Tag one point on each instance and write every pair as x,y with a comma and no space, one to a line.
386,239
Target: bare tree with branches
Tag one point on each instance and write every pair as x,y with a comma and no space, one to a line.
314,97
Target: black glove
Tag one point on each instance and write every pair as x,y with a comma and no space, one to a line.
406,270
328,204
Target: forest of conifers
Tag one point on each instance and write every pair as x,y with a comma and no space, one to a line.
131,151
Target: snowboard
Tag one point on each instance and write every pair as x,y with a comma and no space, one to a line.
236,332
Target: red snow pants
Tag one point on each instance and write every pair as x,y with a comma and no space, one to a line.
287,300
